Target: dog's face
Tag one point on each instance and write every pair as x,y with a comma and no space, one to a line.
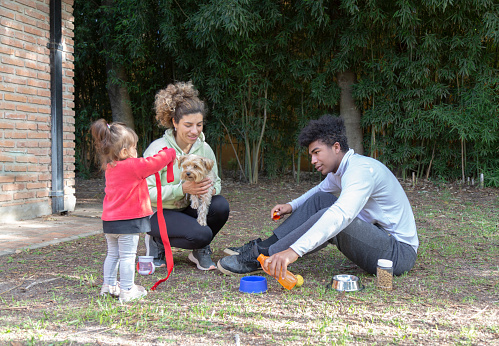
194,167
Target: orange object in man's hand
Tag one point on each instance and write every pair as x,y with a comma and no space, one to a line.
276,216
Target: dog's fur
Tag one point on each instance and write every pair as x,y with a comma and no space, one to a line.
196,168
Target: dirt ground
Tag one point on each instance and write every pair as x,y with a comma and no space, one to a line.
41,276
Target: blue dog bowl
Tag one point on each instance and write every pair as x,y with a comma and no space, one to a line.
253,284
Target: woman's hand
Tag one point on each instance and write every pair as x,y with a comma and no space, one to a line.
277,264
201,188
281,209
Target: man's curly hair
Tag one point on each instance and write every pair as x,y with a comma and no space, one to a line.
175,101
328,130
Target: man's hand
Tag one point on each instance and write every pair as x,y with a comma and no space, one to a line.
200,188
281,209
277,264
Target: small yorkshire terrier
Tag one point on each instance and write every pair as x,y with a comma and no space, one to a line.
196,168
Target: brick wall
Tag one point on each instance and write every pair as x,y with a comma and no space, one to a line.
25,109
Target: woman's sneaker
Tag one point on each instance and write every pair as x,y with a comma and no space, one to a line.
156,249
136,292
202,258
113,291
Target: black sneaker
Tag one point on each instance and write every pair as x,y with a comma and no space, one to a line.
242,264
202,258
231,251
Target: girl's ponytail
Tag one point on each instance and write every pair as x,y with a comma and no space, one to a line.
110,139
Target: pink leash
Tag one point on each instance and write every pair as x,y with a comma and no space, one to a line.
162,224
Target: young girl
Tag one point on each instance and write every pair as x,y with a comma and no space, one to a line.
126,206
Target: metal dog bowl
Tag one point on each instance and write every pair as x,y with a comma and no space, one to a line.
346,283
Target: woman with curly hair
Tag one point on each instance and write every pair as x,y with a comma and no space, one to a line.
182,113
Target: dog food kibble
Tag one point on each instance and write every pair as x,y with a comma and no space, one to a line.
384,274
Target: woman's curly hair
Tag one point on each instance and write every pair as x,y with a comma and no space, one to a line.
175,101
327,129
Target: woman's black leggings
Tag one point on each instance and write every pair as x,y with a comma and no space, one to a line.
183,229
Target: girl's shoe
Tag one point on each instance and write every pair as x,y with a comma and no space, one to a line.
136,292
113,291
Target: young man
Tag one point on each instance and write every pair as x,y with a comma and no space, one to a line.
371,218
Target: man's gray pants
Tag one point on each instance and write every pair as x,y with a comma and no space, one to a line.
361,242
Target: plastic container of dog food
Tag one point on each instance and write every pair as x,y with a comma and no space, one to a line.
384,275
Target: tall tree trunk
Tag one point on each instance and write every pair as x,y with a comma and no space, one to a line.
349,112
258,144
119,97
118,94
